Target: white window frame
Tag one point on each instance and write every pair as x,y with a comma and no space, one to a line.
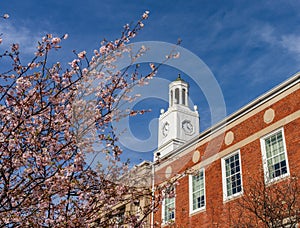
163,208
224,177
191,192
264,157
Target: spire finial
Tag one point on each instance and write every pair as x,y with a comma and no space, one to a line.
179,78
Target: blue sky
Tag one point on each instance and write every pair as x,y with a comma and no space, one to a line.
249,46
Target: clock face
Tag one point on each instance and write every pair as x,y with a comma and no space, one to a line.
187,126
165,129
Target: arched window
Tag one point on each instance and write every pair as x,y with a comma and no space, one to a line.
183,96
177,96
171,97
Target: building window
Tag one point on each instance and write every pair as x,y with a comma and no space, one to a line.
183,96
119,217
168,209
197,191
232,175
176,96
274,156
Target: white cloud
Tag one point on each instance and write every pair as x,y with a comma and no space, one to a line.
267,34
291,43
26,38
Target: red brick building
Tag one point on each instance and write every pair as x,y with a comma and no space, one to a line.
260,143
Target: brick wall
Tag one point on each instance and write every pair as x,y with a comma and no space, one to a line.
247,136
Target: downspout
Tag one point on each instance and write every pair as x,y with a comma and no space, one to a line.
153,194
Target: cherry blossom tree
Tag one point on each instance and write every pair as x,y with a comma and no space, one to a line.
50,119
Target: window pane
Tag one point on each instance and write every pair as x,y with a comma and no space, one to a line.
276,159
198,192
233,175
169,206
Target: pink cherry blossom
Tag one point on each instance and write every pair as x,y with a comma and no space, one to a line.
55,40
65,36
82,54
48,125
146,15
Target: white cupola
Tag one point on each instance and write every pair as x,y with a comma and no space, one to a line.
179,123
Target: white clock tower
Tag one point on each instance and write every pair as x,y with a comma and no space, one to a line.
179,123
